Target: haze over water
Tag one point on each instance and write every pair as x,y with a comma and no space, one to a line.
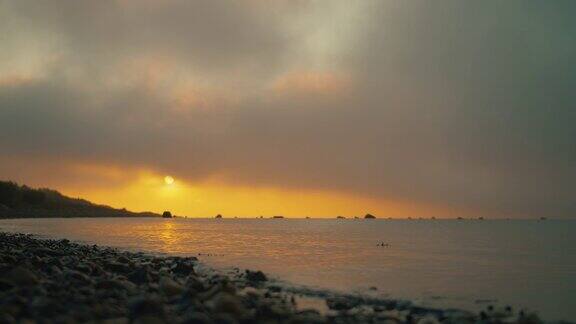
468,264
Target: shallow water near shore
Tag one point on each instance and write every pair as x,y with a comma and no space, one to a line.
444,263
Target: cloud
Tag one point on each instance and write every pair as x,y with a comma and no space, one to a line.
462,105
311,82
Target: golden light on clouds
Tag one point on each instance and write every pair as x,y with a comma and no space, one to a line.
312,82
148,191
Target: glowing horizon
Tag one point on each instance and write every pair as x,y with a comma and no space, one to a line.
150,192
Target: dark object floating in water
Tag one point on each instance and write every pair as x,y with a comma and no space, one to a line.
369,216
166,214
543,218
356,217
384,244
340,217
459,218
307,217
480,218
218,216
278,217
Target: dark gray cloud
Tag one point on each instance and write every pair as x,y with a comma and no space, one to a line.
222,35
467,105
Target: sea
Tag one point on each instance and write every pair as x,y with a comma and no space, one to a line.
466,264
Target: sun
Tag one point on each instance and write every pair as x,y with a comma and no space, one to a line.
168,180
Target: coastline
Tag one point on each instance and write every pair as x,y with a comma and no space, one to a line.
47,280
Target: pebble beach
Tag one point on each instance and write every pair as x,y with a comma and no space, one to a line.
59,281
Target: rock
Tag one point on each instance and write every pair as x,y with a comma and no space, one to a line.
123,259
84,268
339,303
184,268
170,287
45,306
140,275
21,276
7,318
146,306
308,317
77,276
428,320
118,320
6,285
148,319
55,270
255,276
227,303
43,251
192,282
115,284
118,267
224,319
196,318
275,288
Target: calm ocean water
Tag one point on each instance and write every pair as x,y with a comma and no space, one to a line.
524,263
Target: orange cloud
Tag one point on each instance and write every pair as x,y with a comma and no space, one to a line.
311,82
14,80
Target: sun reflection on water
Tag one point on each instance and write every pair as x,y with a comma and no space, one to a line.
168,237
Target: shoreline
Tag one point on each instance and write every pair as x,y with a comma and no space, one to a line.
50,280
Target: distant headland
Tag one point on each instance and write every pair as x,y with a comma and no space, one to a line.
21,201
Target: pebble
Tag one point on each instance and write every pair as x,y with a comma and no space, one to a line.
21,277
255,276
170,287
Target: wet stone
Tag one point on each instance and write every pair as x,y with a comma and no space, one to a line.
255,276
183,268
143,306
21,276
170,287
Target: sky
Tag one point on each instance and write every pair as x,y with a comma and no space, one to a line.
294,107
